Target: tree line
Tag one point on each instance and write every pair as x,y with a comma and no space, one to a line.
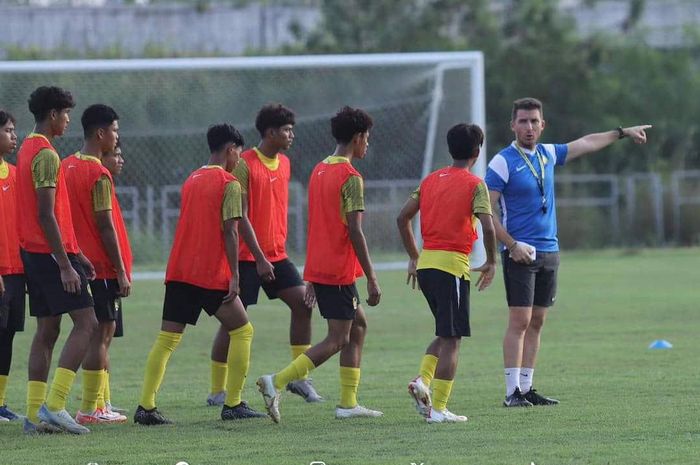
532,48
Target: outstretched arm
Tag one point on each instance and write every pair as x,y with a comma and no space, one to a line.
594,142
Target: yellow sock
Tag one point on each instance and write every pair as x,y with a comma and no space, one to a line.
238,362
104,395
298,369
349,382
3,388
427,368
441,393
297,350
60,388
92,386
219,374
162,349
36,395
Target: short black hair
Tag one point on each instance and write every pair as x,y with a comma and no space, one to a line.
273,115
6,116
97,116
463,141
47,98
218,135
527,103
348,122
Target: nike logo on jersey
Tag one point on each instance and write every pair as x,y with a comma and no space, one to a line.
321,172
442,175
519,168
273,179
196,175
5,187
71,166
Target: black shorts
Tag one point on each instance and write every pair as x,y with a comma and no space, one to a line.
337,302
45,288
286,276
105,293
12,303
448,299
531,285
184,302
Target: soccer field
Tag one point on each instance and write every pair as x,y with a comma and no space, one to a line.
621,403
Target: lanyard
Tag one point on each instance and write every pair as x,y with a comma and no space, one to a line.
538,177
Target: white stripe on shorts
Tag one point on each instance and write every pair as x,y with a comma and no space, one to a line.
459,297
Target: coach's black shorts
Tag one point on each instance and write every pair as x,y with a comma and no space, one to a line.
286,276
46,295
337,302
531,285
184,302
12,303
105,293
448,298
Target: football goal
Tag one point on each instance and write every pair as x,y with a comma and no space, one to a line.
166,105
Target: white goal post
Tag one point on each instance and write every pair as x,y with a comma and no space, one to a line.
165,106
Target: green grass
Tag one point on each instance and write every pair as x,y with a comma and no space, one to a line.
620,402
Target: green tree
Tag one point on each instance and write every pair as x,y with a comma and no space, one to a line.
532,49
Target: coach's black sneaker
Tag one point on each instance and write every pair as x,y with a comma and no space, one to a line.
536,399
150,417
304,388
240,412
516,400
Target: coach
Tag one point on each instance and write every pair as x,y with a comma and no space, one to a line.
520,179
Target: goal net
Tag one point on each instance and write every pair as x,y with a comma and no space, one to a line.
166,105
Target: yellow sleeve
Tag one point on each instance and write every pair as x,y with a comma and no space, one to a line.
415,195
241,173
352,195
231,207
45,168
481,202
102,194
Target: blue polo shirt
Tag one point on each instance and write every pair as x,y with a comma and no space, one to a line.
521,201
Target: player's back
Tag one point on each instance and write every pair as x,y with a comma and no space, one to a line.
446,199
330,257
198,255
